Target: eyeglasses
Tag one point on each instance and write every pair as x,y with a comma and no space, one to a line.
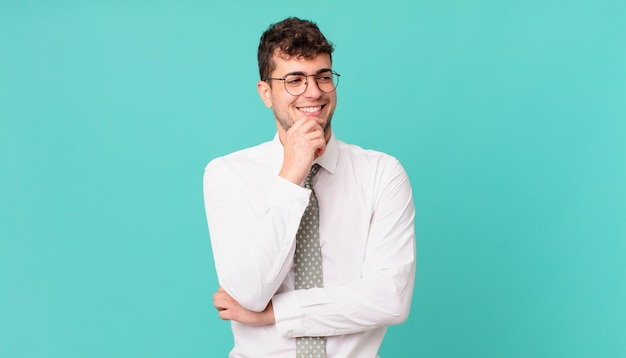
297,83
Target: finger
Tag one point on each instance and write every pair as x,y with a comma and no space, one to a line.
222,301
225,315
316,139
304,124
316,133
319,121
217,296
219,304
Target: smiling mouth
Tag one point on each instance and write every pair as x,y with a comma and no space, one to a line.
310,109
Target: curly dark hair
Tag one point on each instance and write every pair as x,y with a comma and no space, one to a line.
292,37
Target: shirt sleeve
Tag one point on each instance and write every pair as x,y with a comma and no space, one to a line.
252,233
382,295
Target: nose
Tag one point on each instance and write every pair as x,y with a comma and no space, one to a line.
312,89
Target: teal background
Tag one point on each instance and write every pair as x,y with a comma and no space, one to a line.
509,117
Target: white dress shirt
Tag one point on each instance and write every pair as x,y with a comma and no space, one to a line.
367,241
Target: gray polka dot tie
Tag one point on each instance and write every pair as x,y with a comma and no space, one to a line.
308,265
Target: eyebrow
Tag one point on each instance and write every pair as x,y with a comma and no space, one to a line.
304,74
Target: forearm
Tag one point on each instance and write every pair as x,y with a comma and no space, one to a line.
336,310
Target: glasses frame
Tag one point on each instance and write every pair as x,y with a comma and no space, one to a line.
306,82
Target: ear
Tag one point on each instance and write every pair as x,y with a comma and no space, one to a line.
265,92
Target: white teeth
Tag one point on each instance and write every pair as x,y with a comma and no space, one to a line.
310,109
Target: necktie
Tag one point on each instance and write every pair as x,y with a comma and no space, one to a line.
308,265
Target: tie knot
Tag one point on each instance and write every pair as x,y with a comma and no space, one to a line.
309,177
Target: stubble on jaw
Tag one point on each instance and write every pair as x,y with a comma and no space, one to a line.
283,123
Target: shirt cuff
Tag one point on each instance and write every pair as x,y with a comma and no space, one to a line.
292,310
288,314
288,195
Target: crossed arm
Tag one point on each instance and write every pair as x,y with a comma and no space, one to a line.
229,309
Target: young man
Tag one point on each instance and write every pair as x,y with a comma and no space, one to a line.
277,209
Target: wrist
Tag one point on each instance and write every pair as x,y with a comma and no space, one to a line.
292,176
268,314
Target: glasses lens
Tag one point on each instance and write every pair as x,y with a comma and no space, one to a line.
295,84
326,81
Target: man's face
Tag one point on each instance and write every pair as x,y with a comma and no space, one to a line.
288,108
